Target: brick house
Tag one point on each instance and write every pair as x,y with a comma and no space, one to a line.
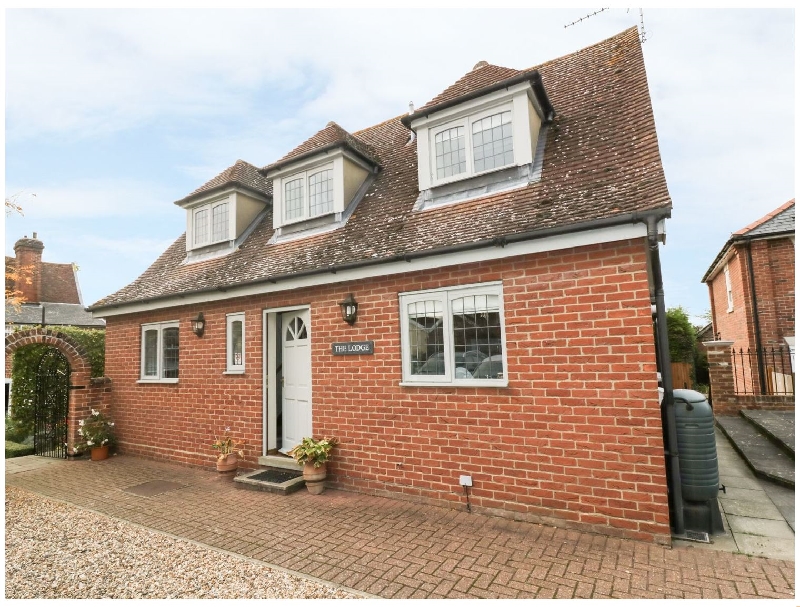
751,288
501,245
49,294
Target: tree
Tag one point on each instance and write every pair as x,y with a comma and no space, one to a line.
16,276
682,340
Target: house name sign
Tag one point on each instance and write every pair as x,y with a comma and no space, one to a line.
354,347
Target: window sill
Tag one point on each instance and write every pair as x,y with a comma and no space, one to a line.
473,384
233,372
158,381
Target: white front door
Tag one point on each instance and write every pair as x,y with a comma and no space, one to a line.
296,406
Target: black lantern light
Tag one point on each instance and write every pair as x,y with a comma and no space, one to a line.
199,325
349,309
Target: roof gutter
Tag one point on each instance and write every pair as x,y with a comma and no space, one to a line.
712,270
605,222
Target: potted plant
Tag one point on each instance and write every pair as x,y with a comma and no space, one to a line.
313,455
229,452
97,435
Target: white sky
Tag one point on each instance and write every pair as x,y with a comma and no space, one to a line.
112,115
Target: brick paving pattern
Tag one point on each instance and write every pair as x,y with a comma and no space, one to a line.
400,549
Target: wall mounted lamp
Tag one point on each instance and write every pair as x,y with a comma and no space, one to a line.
349,309
199,325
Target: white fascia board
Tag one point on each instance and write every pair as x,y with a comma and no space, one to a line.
323,157
489,253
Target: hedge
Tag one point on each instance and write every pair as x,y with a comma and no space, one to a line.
17,450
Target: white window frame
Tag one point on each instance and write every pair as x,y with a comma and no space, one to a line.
158,378
230,367
728,288
466,122
446,295
209,206
304,175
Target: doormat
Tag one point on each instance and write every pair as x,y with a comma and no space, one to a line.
151,488
275,476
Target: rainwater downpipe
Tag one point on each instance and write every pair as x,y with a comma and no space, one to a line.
668,402
756,324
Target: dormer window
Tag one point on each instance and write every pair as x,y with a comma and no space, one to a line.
482,141
473,145
308,194
210,223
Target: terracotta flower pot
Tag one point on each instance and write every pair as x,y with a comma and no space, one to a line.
229,463
99,453
312,474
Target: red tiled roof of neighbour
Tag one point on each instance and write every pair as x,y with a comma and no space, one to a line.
331,136
59,284
242,174
765,218
777,222
601,162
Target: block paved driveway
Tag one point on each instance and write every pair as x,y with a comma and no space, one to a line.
398,549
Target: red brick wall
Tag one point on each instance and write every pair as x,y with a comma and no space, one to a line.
773,270
575,439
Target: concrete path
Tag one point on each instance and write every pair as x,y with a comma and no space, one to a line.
394,548
758,515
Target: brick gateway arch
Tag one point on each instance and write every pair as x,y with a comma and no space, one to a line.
85,393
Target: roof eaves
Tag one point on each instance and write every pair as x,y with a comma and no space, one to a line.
219,188
737,238
533,76
501,241
320,150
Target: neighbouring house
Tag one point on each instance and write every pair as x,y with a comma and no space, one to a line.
751,288
48,294
463,290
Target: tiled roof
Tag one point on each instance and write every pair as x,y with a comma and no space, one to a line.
54,314
601,161
242,174
331,136
779,221
58,282
481,76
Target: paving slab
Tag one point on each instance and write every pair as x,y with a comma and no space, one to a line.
756,545
765,459
759,526
778,425
750,508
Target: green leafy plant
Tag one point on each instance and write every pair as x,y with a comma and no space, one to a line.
17,450
313,451
226,445
15,433
95,431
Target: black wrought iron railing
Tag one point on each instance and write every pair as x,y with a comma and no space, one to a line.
764,371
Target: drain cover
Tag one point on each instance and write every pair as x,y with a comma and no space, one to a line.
152,488
275,476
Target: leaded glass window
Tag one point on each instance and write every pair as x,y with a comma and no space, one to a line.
200,226
219,220
320,193
492,142
451,156
293,199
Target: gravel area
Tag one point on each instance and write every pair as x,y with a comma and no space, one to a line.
58,551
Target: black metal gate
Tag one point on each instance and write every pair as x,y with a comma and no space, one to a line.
52,405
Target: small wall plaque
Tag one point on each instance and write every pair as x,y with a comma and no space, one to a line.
353,347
